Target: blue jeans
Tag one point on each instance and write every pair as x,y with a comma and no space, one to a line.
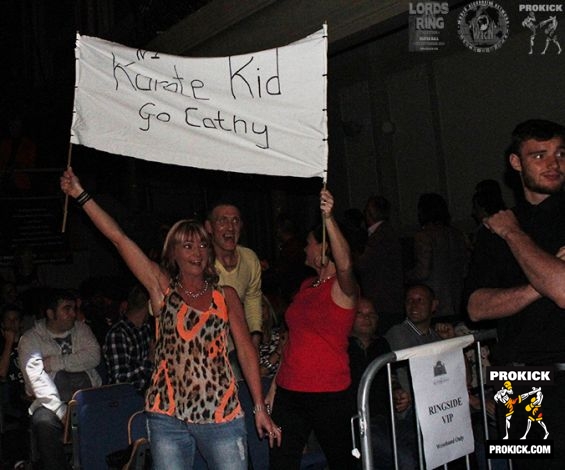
174,443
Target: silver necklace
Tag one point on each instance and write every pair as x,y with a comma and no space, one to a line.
318,282
196,294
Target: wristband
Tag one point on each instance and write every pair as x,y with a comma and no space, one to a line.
83,198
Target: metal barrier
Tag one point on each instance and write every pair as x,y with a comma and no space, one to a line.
365,452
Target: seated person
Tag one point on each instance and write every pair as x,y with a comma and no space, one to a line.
10,373
365,346
129,345
12,392
57,356
420,304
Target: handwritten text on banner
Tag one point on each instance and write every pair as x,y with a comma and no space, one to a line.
263,112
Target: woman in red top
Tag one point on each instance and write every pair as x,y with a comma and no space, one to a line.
312,384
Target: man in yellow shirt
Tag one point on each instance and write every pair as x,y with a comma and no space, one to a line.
237,265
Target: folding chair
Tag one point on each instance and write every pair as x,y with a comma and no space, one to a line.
137,427
138,441
99,423
365,452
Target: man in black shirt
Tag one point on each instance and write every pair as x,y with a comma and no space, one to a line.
364,347
517,273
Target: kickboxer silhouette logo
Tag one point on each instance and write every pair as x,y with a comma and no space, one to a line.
533,408
534,413
547,26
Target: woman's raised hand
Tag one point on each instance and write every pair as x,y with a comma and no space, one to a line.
70,183
326,203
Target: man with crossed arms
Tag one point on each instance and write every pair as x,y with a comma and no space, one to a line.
517,275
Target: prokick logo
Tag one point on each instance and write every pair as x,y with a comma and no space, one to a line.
483,26
519,393
542,22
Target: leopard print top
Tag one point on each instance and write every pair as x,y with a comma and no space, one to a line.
193,380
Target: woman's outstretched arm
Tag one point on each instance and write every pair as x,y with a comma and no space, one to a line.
146,271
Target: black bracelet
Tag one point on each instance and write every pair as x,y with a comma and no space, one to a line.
83,198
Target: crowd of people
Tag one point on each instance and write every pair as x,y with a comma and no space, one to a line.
236,376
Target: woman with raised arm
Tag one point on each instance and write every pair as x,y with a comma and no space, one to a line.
311,389
192,400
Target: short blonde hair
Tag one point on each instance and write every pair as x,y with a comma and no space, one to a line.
180,232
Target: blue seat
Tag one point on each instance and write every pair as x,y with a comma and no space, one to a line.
99,423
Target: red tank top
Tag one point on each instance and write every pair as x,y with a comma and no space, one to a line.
315,357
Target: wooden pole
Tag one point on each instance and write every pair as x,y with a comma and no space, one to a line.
66,207
324,257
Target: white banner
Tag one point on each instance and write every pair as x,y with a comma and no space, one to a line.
442,406
263,112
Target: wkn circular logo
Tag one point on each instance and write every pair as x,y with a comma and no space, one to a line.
483,26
